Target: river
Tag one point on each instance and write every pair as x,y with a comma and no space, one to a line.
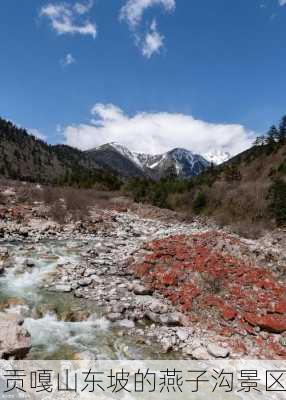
56,320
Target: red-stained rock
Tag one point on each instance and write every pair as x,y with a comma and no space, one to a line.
276,348
239,347
226,332
215,290
228,313
272,323
280,307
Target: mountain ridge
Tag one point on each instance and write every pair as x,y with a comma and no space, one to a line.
42,162
178,162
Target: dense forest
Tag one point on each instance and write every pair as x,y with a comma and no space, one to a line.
25,157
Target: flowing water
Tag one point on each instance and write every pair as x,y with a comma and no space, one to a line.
48,314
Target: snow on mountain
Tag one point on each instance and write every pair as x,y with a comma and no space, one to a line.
132,156
180,162
183,162
217,156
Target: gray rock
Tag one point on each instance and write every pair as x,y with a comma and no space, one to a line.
152,317
200,354
62,288
183,334
113,317
141,290
173,319
127,323
158,306
196,343
167,344
85,282
89,272
188,350
118,308
96,279
15,340
217,351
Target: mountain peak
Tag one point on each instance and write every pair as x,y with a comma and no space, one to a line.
179,161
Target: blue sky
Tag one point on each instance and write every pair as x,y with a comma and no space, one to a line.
152,74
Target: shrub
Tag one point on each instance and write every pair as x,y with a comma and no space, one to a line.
200,202
277,197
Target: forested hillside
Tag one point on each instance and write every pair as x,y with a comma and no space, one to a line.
25,157
248,191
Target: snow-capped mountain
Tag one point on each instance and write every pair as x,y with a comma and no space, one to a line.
217,156
117,158
178,162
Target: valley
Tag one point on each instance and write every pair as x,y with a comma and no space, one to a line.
128,281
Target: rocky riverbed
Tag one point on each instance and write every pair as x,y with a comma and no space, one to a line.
124,284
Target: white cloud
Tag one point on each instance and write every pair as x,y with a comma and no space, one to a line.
70,19
156,132
83,8
282,2
106,113
68,60
132,13
153,41
38,134
133,10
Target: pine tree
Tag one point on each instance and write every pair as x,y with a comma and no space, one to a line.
259,141
272,139
273,134
282,130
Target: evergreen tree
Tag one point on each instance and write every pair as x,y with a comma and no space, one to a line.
277,195
272,139
273,134
282,130
259,141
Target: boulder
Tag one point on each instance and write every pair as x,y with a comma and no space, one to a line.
158,306
172,319
15,340
272,323
127,323
200,354
118,308
141,290
62,288
217,351
167,344
96,279
152,317
113,317
183,334
85,282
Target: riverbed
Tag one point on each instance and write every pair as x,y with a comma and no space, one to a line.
61,325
